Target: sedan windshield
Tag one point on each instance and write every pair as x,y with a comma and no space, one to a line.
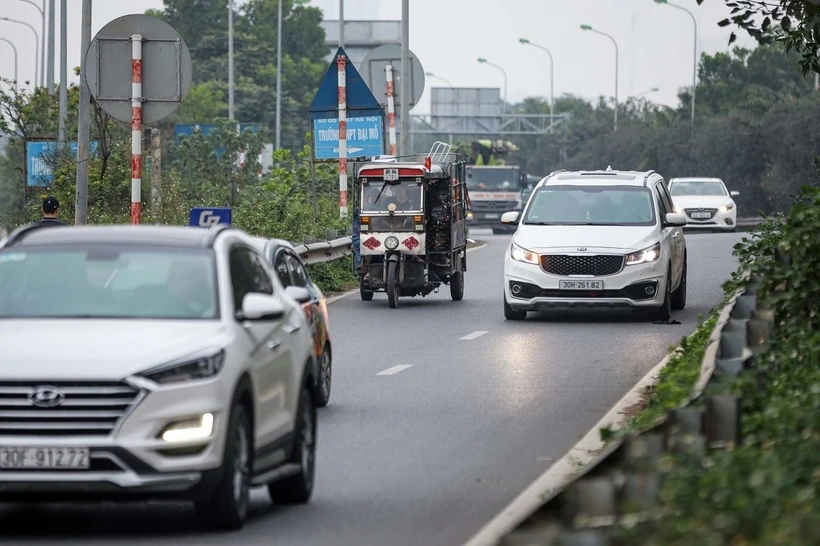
108,282
679,189
591,206
377,196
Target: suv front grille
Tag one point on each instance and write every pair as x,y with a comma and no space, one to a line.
88,408
565,265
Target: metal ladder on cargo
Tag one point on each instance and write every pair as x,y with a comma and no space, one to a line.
439,151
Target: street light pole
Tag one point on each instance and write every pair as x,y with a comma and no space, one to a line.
482,60
278,142
552,79
36,42
406,70
230,61
42,41
589,28
15,58
51,27
695,54
83,123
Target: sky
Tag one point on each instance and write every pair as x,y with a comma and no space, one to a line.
655,41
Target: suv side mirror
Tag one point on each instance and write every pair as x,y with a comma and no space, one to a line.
298,293
510,217
261,307
734,193
675,219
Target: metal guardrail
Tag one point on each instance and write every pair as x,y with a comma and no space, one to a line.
620,485
315,251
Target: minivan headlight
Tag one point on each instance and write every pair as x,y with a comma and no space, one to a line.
523,255
644,256
189,369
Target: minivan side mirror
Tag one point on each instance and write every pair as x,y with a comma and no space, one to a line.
510,217
734,193
675,219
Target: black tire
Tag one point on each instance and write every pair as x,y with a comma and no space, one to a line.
393,288
664,312
298,489
367,295
679,295
227,508
512,314
457,286
321,393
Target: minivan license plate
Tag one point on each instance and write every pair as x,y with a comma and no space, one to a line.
580,285
44,458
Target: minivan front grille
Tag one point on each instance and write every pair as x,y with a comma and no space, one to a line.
61,408
565,265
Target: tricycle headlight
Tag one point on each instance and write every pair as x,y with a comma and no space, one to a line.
187,370
392,242
523,255
644,256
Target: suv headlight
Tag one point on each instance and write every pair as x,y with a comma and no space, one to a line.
727,208
523,255
189,369
644,256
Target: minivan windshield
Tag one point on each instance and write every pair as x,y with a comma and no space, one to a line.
591,206
100,281
493,179
708,188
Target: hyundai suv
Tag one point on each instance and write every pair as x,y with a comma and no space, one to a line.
141,362
596,239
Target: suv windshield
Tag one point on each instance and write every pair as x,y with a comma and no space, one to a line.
96,281
376,196
493,179
591,206
696,188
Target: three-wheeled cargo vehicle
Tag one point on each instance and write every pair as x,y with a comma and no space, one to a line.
413,224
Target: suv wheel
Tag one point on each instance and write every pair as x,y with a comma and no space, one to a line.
664,312
297,489
322,391
679,295
227,509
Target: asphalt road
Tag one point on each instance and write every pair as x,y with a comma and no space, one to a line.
441,413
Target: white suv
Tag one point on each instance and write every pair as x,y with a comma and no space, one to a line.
596,239
152,362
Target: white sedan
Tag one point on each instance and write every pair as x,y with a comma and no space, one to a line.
706,203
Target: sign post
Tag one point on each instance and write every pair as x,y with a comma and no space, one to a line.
139,70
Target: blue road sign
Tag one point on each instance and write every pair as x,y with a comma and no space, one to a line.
364,137
187,129
38,171
360,100
207,217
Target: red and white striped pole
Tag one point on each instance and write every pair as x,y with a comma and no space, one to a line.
340,64
136,127
391,109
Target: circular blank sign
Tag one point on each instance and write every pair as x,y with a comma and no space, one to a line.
374,75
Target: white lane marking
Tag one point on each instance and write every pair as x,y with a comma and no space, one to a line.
395,369
356,290
474,335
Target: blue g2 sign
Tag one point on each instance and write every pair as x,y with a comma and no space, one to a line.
207,217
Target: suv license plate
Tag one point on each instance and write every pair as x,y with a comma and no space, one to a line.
580,285
44,458
701,215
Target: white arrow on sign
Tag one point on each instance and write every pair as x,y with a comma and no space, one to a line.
349,150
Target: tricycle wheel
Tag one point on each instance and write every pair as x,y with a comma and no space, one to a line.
457,286
393,288
367,295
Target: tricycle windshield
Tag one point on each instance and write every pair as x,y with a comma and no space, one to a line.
378,195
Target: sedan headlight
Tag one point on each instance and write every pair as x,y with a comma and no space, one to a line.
727,208
523,255
678,209
644,256
187,370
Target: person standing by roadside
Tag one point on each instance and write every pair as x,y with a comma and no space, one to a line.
51,209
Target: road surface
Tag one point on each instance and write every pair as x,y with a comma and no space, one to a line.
441,413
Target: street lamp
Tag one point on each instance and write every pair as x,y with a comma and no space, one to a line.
695,54
653,90
42,37
15,58
552,79
230,60
279,73
36,42
431,75
589,28
485,61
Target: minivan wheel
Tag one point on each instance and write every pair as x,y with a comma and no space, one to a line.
298,488
227,508
512,314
